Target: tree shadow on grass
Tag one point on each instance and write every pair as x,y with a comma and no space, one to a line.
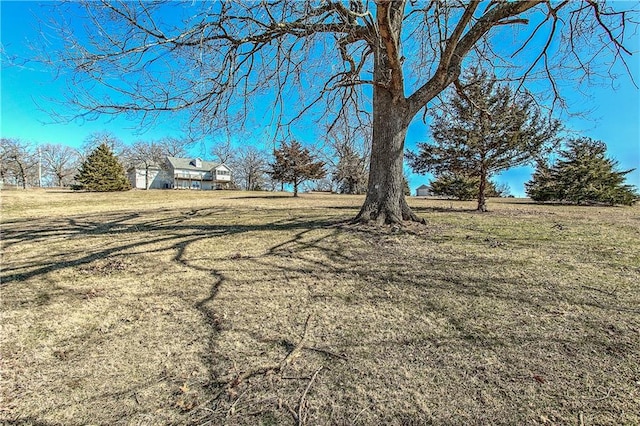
103,238
316,263
172,232
377,275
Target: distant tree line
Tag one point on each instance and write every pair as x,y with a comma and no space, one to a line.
24,164
480,129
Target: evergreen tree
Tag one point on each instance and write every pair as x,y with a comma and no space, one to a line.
464,187
405,186
583,175
484,128
455,186
542,186
102,172
295,164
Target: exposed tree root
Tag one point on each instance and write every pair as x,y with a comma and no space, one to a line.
387,215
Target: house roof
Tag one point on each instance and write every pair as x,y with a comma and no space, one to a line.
423,186
189,164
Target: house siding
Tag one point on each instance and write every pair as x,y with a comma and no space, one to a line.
423,191
158,179
199,175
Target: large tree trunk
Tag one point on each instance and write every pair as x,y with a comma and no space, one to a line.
385,202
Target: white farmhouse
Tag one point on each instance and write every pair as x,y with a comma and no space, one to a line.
198,174
181,173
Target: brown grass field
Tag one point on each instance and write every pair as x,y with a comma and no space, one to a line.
210,308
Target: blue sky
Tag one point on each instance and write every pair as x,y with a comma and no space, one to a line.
614,106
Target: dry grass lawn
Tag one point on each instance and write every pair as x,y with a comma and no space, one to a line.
179,307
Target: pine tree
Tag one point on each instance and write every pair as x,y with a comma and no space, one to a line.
405,186
295,164
464,187
542,186
583,175
102,172
484,128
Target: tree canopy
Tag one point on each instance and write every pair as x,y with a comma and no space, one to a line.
60,162
484,128
389,59
583,175
102,172
18,163
350,174
294,164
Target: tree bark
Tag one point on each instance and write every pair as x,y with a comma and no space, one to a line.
482,200
385,202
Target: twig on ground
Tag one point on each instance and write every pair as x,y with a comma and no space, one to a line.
296,351
293,413
358,415
602,398
232,409
301,414
608,293
326,352
233,381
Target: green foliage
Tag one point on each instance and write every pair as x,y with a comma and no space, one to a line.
295,164
405,186
482,129
464,187
542,186
102,172
583,175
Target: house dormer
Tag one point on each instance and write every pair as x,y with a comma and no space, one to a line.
196,162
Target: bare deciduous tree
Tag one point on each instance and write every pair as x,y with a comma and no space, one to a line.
175,147
60,162
224,152
349,150
94,140
18,163
250,168
213,58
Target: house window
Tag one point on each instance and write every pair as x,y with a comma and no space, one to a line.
195,185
